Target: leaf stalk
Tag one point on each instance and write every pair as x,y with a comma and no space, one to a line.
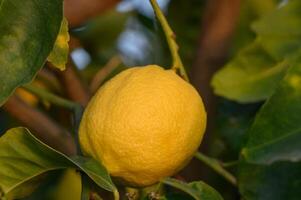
217,167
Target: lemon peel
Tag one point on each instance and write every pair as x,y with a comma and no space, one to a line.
144,124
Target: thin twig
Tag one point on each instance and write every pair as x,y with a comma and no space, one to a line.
42,126
52,98
75,88
171,40
217,167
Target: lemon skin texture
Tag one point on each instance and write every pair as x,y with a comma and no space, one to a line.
144,124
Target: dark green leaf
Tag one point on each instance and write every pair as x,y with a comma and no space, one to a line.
276,132
176,196
232,123
95,171
24,158
28,31
198,190
278,181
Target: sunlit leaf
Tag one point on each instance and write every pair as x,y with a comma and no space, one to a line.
251,76
256,70
59,54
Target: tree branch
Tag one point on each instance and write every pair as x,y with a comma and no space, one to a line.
73,85
79,11
218,26
42,126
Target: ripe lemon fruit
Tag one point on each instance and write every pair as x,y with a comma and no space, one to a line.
144,124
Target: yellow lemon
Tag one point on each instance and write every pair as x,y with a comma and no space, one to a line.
143,125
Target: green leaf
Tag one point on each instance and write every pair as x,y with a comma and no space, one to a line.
23,158
279,32
250,10
59,54
198,190
276,132
70,181
95,171
259,67
28,31
250,77
278,181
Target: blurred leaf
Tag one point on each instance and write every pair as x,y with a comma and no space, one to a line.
276,132
59,54
198,190
260,66
99,36
279,32
250,10
23,157
70,181
256,75
278,181
28,31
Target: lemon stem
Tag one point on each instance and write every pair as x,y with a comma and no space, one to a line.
52,98
178,67
177,64
217,167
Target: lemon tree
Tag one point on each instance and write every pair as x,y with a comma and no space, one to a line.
106,110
